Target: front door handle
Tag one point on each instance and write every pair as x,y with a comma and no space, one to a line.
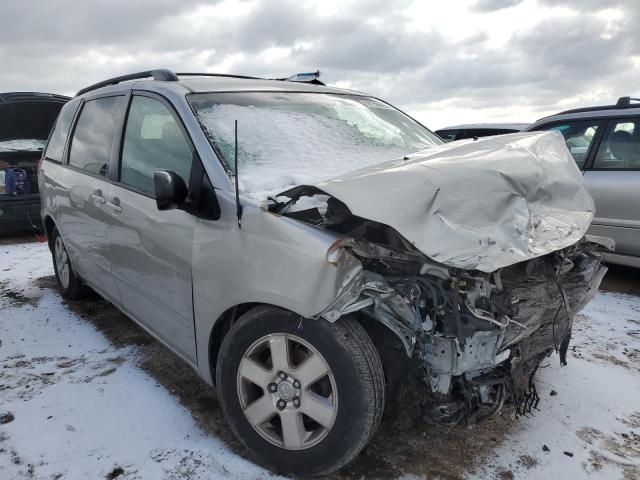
98,197
115,205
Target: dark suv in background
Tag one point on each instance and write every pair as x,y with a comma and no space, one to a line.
26,118
477,130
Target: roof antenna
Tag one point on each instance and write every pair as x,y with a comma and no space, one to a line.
238,206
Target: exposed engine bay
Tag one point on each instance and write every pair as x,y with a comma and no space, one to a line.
479,337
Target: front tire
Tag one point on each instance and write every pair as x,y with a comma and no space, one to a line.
70,283
304,396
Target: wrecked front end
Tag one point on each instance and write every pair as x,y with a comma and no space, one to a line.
479,337
474,256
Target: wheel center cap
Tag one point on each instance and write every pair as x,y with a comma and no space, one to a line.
286,391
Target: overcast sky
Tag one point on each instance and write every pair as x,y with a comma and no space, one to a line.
444,62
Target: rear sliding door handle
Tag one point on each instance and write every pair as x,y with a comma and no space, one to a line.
97,197
115,205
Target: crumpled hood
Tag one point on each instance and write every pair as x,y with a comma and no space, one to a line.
477,204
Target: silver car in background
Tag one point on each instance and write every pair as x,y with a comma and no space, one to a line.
605,143
312,251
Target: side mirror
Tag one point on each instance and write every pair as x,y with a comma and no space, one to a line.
170,189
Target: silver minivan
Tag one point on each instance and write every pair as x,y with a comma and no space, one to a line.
311,251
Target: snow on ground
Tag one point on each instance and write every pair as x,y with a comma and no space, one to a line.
84,409
594,415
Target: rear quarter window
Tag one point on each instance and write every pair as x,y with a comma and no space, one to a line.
55,147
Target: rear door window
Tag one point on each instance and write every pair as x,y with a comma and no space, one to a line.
93,138
153,140
578,135
620,148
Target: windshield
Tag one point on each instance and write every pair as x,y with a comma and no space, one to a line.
287,139
22,145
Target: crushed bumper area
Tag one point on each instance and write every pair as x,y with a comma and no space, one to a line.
479,337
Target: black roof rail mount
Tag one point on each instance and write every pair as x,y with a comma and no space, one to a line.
625,102
161,74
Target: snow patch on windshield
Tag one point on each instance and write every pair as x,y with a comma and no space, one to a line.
281,149
24,145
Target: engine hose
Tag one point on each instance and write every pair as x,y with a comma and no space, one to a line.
456,312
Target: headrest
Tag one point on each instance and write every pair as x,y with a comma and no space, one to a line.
172,133
620,144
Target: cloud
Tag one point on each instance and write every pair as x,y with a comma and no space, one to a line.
96,22
493,5
584,5
444,63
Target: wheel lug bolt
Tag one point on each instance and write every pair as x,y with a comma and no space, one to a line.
281,404
272,387
296,402
296,384
282,375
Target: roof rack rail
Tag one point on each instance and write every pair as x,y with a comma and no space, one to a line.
623,102
196,74
298,77
159,74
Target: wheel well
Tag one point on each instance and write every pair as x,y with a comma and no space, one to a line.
48,228
390,348
220,329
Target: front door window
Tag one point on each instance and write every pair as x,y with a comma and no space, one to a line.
578,135
153,141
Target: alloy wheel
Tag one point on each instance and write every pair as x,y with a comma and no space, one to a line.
287,391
